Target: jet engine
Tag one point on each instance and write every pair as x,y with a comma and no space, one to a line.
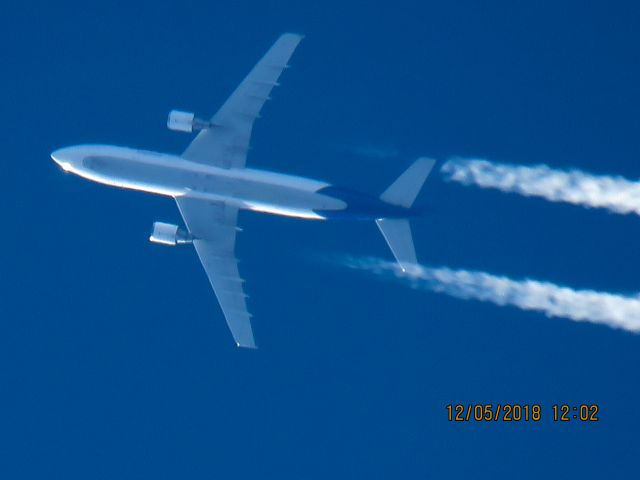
185,122
168,234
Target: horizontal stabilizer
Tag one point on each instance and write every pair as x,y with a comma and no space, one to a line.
405,189
397,233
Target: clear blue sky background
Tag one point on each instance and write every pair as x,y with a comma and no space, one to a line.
115,361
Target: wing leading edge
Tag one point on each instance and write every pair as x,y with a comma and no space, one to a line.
213,226
226,143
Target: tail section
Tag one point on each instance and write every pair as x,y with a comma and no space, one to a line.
405,189
397,233
403,192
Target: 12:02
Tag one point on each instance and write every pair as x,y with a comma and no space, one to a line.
583,412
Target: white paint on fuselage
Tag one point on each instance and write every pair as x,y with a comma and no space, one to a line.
171,175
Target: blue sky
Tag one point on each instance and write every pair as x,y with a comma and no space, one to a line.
115,361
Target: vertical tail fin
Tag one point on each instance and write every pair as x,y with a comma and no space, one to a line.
403,192
405,189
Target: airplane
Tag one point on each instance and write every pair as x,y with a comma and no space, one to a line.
210,183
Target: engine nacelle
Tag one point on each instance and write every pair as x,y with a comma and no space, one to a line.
185,122
169,234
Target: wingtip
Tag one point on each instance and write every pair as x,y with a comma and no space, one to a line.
297,36
426,160
410,269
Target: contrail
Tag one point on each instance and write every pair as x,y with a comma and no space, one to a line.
616,194
368,150
613,310
373,151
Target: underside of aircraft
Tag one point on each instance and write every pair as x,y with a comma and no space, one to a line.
211,183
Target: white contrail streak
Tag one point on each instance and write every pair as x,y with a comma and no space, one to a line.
616,194
614,310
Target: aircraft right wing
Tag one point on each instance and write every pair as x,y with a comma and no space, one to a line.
214,228
226,143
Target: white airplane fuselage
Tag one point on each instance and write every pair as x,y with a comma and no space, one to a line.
210,184
244,188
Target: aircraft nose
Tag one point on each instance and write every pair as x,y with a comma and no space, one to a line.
63,158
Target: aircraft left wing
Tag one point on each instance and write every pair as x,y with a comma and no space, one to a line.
214,227
226,143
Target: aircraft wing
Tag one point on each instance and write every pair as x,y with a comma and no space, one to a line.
213,226
226,143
